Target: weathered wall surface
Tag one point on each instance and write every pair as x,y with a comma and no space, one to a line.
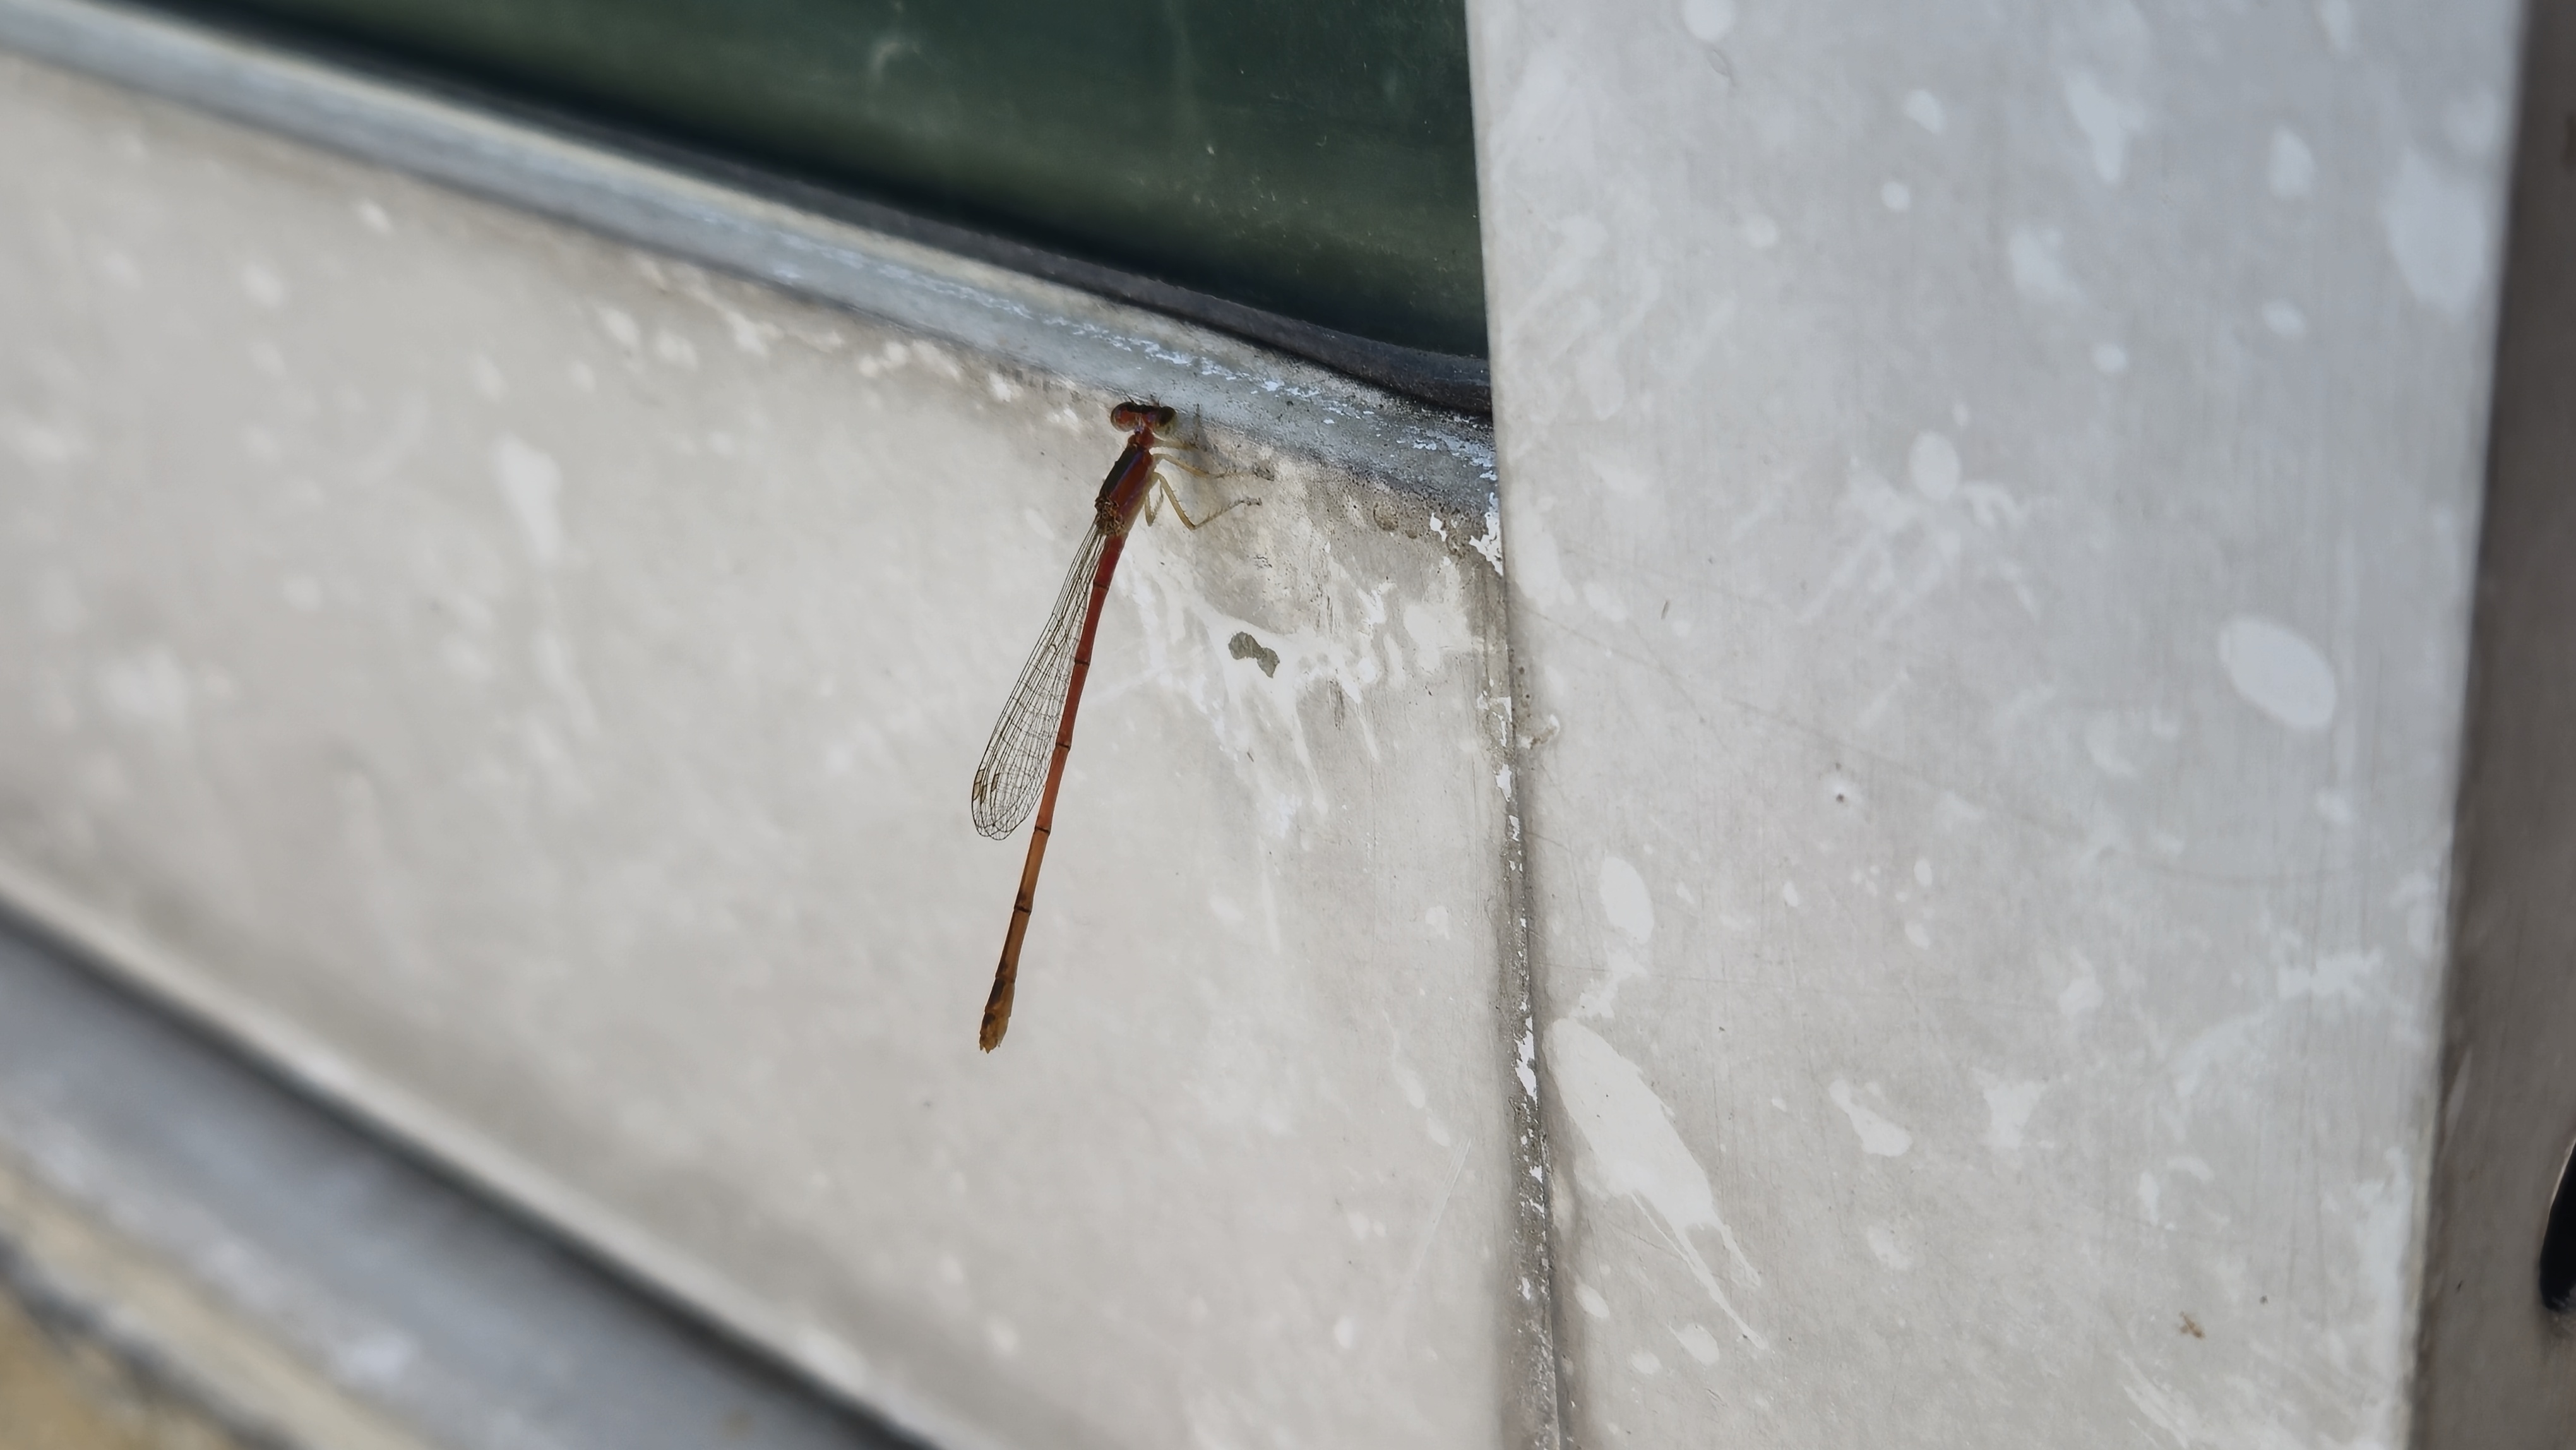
531,689
1989,497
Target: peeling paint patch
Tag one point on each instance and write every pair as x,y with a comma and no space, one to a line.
1244,647
1490,542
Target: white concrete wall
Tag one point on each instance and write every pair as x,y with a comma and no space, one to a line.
530,689
1990,496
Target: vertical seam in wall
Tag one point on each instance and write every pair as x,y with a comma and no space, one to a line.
1538,1380
1534,1387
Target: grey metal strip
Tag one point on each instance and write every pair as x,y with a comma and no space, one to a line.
415,1298
1233,385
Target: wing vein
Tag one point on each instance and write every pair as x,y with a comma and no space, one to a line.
1013,771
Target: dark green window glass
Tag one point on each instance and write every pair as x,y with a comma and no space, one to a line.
1312,160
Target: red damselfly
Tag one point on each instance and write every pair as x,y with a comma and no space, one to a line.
1024,761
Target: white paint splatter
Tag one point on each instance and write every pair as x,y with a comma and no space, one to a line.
1538,571
2106,121
1591,1300
2227,1041
1896,196
2344,975
1644,1362
621,327
529,481
1697,1342
1878,1136
2421,896
1629,1135
1625,900
2278,672
1602,1001
754,338
1924,109
1761,233
1884,1245
2038,273
2335,17
2080,996
2111,358
2008,1108
1259,716
1346,1331
1708,21
2474,124
2383,1232
2292,171
1436,632
1933,464
2102,743
1789,892
2285,319
2437,230
373,1357
148,689
263,284
2150,1198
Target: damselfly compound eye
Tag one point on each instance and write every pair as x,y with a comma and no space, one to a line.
1128,417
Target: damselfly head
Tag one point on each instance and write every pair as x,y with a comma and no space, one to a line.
1129,417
